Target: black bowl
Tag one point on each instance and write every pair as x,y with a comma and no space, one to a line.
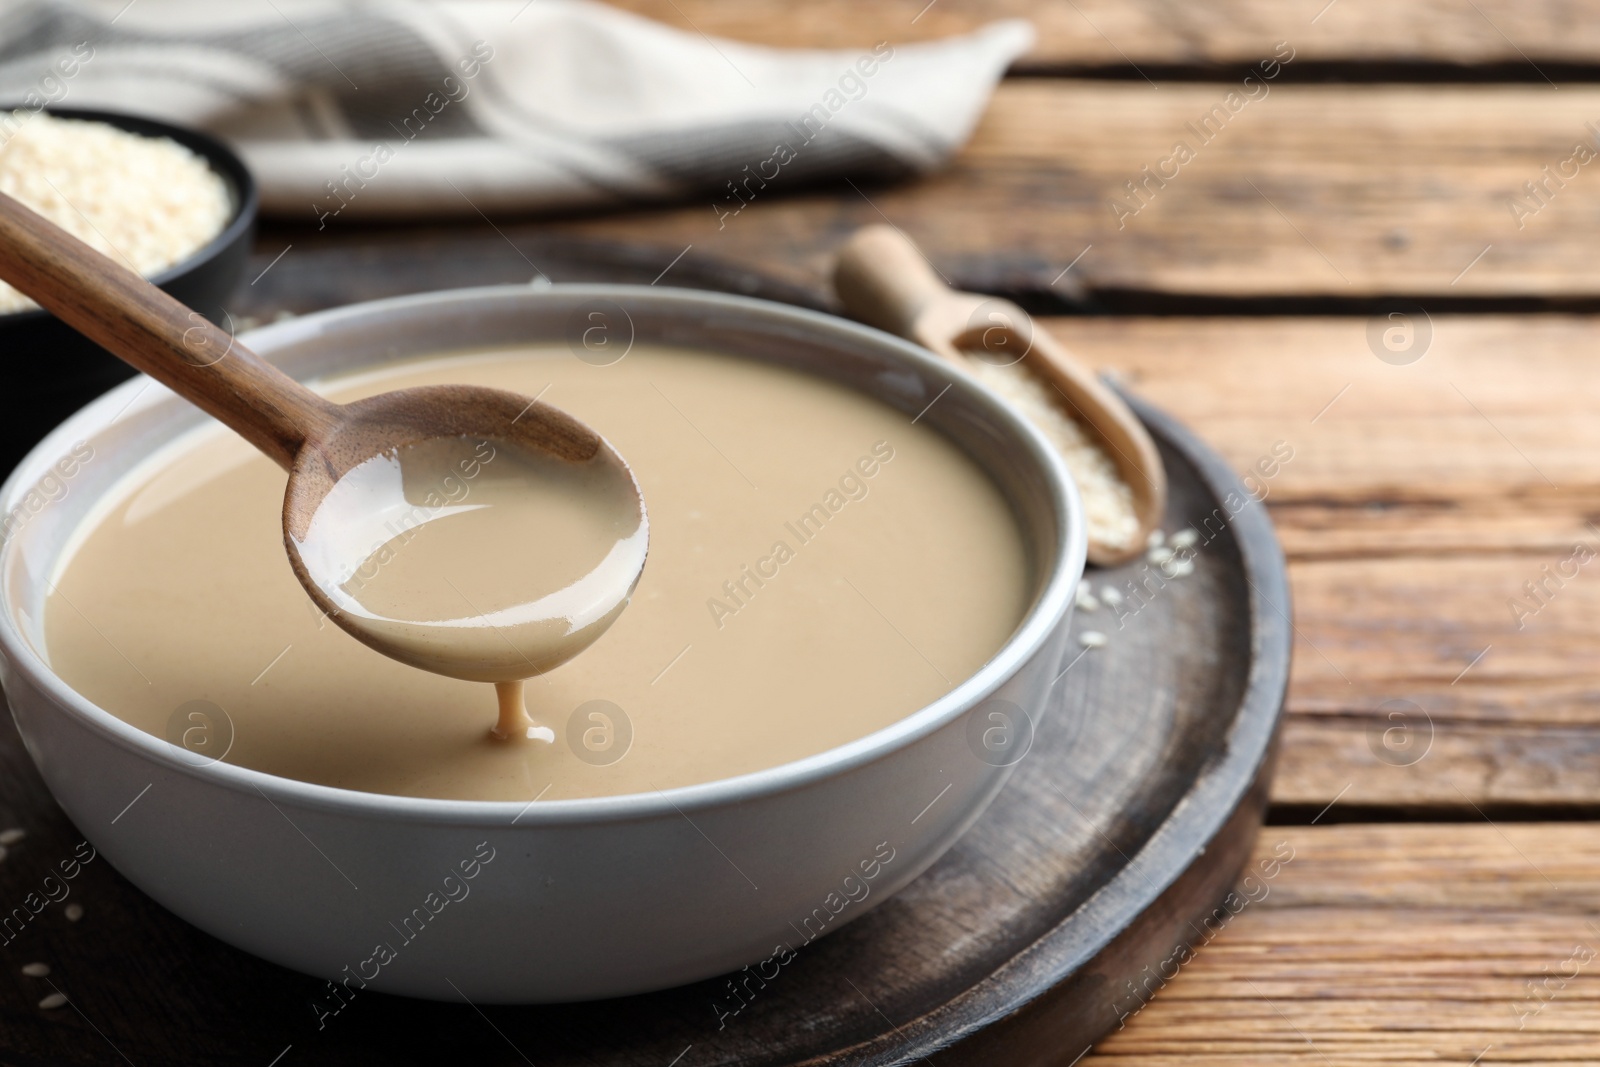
48,370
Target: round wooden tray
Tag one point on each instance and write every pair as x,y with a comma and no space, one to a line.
1086,885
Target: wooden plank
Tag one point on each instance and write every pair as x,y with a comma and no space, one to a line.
1412,516
1392,944
1112,33
1500,716
1413,687
1485,443
1338,191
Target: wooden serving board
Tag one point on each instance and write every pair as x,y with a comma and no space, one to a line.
1100,872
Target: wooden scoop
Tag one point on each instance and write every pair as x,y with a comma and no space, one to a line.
883,280
316,440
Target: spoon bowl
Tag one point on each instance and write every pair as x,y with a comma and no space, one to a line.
367,506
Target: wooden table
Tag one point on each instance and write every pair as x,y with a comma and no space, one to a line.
1439,905
1441,759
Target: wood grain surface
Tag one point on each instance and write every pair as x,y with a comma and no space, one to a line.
1336,191
1419,500
1120,33
1392,944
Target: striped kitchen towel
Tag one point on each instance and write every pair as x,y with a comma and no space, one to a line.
393,107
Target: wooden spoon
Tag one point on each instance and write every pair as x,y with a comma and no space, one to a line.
320,442
883,280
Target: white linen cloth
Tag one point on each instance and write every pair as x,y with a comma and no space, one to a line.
392,108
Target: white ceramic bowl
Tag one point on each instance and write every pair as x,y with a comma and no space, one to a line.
580,899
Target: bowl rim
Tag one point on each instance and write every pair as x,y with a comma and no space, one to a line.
1063,563
218,156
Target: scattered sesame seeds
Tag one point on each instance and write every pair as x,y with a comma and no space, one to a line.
12,836
35,970
1160,555
1092,639
1156,538
1185,538
1085,599
53,1001
1110,595
1182,568
73,912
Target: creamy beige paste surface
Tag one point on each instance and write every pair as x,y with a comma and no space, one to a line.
819,568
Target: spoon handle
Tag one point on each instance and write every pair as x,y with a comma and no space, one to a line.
884,281
143,326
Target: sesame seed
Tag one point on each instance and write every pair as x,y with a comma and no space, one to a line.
1159,555
53,1001
1110,595
1182,568
73,912
12,836
35,970
1085,599
1092,639
1185,538
1156,539
148,202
